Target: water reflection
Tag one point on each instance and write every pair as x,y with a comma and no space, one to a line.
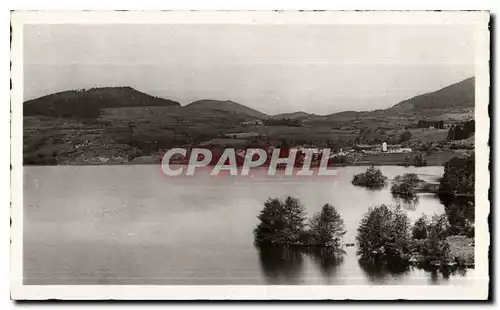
327,260
379,273
409,204
284,265
439,274
280,265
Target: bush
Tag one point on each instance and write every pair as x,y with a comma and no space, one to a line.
326,228
405,186
384,235
372,178
281,222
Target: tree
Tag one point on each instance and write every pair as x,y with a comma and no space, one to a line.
372,177
405,136
384,235
419,230
434,249
458,178
281,222
405,186
326,228
461,218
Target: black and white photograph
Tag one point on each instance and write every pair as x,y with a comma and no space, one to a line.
250,155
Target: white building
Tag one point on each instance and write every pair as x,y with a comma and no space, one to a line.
384,147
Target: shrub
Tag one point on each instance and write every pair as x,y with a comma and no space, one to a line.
326,228
384,235
281,222
405,186
372,178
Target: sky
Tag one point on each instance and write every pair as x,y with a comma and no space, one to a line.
319,69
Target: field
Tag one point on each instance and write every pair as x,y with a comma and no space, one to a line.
142,134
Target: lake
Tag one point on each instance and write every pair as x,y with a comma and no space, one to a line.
130,224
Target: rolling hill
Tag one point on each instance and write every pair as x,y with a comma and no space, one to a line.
119,124
294,115
456,96
227,106
88,103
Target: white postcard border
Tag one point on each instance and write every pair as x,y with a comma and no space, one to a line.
478,289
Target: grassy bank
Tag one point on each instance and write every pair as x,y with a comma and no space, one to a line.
462,249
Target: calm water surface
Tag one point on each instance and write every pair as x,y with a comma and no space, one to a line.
133,225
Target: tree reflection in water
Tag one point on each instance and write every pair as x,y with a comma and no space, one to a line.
407,203
326,259
280,264
438,274
379,272
283,265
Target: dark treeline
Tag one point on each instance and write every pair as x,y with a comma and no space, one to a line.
283,122
461,131
456,191
427,124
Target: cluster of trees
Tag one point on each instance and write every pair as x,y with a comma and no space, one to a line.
283,122
383,235
427,124
461,131
417,161
386,235
405,186
284,222
456,190
371,178
429,240
458,178
461,215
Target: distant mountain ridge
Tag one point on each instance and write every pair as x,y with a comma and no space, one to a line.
87,103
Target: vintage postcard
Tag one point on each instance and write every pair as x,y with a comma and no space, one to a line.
250,155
